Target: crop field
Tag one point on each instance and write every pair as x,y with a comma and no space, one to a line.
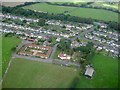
12,4
39,75
75,11
107,5
7,44
34,74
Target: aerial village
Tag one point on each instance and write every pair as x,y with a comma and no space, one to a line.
59,42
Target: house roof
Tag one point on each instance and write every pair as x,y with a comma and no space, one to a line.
48,48
65,56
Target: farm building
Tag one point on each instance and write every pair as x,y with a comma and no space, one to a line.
89,72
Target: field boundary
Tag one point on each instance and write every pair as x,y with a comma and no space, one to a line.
6,71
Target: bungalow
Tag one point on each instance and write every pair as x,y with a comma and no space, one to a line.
58,39
75,44
39,36
46,43
99,48
30,39
64,56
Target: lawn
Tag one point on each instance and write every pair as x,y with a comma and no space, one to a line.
106,73
75,11
7,44
34,74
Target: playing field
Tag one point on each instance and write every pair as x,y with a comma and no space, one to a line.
7,44
75,11
34,74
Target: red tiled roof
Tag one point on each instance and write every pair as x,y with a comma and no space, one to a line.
48,48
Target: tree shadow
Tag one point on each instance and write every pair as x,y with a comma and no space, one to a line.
74,83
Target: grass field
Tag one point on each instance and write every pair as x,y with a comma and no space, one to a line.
75,11
0,57
36,74
7,44
106,73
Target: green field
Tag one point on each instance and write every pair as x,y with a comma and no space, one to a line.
106,73
7,44
0,57
75,11
39,75
34,74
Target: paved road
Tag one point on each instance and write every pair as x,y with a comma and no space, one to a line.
54,50
32,58
83,38
65,63
22,43
82,34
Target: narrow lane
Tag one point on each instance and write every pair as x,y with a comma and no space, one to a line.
54,50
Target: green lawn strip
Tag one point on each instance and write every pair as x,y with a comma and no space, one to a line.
7,44
0,57
57,53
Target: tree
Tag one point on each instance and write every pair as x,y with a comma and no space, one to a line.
24,21
13,49
41,22
64,27
64,45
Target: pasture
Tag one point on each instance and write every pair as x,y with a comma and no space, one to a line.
7,44
106,73
98,14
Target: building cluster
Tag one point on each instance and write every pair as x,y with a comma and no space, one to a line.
72,30
76,44
36,51
8,16
105,40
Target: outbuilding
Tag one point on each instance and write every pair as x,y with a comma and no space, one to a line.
89,71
